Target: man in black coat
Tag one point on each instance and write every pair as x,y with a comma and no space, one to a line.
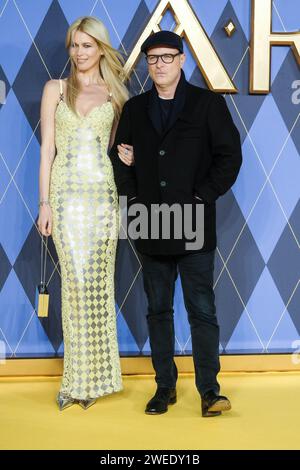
187,153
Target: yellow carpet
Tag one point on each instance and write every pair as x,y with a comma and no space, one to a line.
265,415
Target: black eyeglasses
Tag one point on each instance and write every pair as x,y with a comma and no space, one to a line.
166,58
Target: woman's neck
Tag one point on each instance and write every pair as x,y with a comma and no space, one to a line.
90,77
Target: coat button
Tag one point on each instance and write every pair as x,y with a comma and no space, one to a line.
163,184
162,153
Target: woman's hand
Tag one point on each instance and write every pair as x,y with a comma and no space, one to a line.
126,154
45,220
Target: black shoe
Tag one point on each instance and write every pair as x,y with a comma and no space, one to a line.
159,403
213,404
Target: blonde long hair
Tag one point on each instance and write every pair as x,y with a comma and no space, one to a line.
110,64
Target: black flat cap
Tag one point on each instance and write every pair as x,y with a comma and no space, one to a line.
163,38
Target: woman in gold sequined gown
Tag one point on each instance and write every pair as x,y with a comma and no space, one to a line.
79,208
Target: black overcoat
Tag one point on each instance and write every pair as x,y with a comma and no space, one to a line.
198,154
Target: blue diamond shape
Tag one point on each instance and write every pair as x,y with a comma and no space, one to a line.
197,78
295,221
127,343
15,308
123,19
151,4
244,337
33,21
168,21
268,149
17,223
14,39
244,107
284,264
218,268
28,87
60,351
146,349
27,176
5,267
135,85
282,92
266,222
285,178
74,10
265,306
278,56
130,294
242,12
284,336
12,122
5,179
208,13
230,221
245,274
294,308
50,40
250,181
190,64
289,12
230,49
34,342
134,311
229,307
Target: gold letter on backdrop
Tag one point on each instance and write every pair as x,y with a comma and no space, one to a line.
189,27
262,39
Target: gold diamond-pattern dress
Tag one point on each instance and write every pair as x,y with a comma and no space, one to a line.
84,204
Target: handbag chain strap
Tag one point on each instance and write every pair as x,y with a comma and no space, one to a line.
44,248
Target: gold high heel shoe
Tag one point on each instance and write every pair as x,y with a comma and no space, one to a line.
85,404
64,402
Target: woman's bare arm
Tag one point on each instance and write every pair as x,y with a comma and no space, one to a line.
48,150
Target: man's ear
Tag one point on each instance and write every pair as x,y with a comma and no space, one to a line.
182,59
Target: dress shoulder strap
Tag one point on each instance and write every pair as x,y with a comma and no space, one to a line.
61,96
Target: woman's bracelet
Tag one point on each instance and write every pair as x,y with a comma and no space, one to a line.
44,202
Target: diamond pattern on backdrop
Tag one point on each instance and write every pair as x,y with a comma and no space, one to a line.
257,260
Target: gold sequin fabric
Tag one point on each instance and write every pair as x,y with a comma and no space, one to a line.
84,204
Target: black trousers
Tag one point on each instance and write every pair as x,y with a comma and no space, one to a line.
196,272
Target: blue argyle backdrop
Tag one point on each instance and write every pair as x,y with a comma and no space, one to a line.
257,260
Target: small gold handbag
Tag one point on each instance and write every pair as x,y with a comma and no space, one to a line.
43,299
